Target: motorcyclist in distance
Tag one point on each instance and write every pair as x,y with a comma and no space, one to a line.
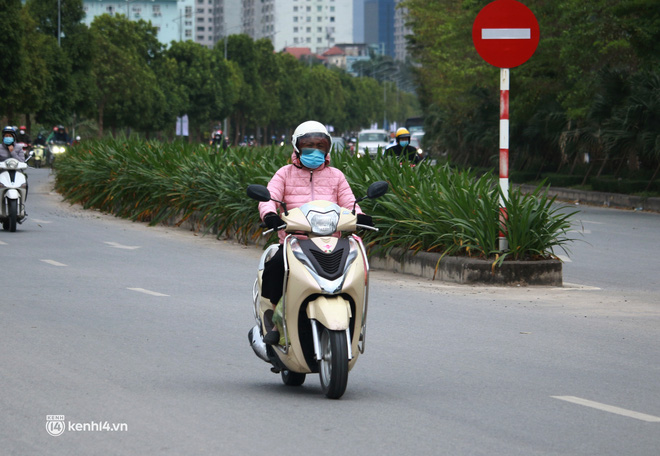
218,139
40,140
402,148
23,137
309,177
58,134
9,147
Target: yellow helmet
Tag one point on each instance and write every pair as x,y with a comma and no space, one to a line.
402,132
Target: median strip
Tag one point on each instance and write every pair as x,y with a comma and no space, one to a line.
609,408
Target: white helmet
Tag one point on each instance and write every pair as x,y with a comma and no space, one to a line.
306,128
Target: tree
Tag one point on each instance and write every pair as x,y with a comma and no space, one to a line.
11,59
70,90
128,94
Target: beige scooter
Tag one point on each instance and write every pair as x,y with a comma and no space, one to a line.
324,305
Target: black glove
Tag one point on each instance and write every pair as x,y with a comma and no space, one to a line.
364,219
273,221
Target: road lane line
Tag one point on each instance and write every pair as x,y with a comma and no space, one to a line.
564,258
609,408
3,243
121,246
40,221
53,262
149,292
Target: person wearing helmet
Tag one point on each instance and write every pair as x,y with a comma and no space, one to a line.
402,148
218,140
309,177
9,147
58,134
22,136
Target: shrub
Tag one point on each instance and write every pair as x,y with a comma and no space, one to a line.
429,208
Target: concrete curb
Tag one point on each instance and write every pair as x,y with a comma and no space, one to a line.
466,271
600,198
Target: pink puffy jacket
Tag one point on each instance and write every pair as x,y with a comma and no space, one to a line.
297,185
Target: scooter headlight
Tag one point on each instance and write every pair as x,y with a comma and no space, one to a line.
59,149
11,163
323,224
322,220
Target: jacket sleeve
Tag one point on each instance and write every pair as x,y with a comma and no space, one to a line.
18,153
276,187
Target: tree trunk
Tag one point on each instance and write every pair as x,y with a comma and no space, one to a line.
600,170
655,174
586,176
101,106
577,157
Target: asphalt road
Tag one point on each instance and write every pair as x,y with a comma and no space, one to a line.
135,339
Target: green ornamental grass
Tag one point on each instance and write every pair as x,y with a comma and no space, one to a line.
428,208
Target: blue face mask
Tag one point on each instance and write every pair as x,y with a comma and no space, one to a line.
8,140
404,143
312,158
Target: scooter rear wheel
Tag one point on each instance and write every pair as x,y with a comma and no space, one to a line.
333,367
292,378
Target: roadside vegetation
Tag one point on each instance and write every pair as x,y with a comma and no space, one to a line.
585,108
428,208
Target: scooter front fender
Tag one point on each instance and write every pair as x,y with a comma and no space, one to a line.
12,193
333,312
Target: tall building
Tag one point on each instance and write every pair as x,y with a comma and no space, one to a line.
316,24
379,25
173,19
401,30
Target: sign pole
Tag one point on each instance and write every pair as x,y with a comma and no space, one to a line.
504,155
505,34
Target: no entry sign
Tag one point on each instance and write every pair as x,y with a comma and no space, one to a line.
505,33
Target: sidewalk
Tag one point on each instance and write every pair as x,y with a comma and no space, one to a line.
617,200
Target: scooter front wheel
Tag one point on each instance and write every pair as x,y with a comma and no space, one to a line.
292,378
333,366
12,212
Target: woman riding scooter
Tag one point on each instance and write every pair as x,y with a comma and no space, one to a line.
309,177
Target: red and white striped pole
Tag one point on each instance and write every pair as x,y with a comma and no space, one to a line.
504,155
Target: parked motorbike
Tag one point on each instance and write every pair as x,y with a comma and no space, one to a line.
13,191
324,302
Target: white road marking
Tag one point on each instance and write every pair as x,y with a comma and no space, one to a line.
121,246
54,263
609,408
506,34
40,221
3,243
564,258
149,292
